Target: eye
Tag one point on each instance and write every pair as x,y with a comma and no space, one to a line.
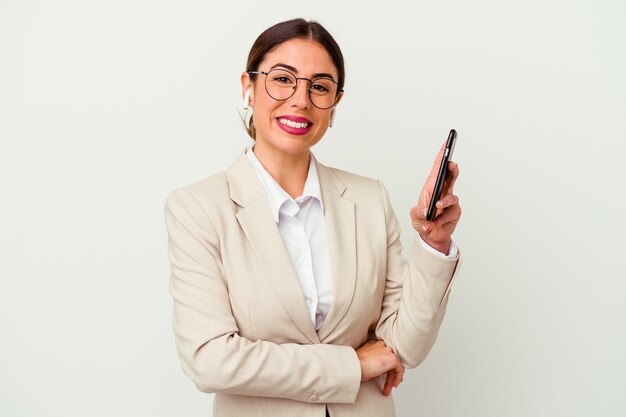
319,88
282,79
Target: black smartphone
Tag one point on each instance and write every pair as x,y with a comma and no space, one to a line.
441,176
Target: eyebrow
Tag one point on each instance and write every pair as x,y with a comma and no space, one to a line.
293,69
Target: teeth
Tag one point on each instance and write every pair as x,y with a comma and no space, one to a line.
291,123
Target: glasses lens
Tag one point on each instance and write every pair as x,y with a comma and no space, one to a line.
280,84
323,92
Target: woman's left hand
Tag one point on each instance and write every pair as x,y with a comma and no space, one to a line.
438,232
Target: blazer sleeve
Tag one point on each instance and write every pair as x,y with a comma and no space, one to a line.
416,294
211,351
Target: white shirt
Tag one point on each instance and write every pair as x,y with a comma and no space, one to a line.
302,226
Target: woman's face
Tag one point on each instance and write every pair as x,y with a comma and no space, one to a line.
304,58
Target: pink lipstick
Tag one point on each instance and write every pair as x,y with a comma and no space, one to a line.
294,125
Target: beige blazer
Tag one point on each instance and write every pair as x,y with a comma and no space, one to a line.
240,320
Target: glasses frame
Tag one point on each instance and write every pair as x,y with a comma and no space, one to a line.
296,86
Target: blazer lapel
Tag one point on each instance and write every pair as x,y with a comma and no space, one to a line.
339,213
260,228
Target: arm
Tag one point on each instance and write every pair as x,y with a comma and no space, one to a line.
415,297
211,351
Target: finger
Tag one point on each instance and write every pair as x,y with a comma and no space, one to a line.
418,213
399,376
389,381
418,220
452,213
451,177
454,174
447,201
427,227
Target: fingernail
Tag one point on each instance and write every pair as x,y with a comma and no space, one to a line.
439,204
424,212
426,228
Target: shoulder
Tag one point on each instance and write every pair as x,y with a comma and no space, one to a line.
201,196
210,187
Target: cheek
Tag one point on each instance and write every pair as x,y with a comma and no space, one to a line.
259,98
262,113
323,121
322,127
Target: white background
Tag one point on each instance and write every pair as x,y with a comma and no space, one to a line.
107,106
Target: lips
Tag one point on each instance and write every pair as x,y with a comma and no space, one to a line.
295,125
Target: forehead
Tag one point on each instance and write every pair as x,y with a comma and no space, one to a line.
304,55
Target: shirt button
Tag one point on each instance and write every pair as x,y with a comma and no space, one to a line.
314,398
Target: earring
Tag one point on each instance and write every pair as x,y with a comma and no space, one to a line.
332,117
248,109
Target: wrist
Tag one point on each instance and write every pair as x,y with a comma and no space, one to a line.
443,247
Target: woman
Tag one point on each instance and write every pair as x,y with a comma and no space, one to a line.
291,297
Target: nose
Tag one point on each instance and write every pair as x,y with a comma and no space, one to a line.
300,97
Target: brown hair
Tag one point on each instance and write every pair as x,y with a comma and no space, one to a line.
293,29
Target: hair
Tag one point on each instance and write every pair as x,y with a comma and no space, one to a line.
293,29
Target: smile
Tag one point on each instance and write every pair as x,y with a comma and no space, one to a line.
294,127
297,125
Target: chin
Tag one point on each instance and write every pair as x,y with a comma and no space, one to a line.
294,147
293,144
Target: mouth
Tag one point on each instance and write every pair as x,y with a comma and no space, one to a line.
294,125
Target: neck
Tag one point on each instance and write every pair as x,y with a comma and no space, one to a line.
289,170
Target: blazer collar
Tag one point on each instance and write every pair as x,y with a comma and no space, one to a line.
260,228
276,193
339,213
245,187
243,183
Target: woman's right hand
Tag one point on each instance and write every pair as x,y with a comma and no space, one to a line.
376,359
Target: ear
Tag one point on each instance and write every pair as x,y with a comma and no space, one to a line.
247,84
339,97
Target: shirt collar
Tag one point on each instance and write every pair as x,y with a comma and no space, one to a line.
276,195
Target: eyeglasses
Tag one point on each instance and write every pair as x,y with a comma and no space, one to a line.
281,84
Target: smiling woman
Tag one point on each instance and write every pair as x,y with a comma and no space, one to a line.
290,293
297,29
292,104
